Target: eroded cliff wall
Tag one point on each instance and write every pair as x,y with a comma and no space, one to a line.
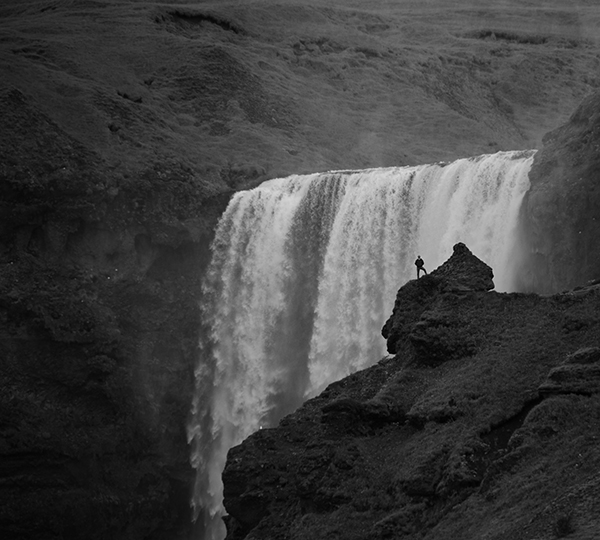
561,211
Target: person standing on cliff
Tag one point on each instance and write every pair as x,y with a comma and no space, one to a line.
420,266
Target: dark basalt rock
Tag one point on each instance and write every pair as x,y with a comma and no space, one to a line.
393,451
439,332
573,379
350,414
464,272
587,355
579,374
561,211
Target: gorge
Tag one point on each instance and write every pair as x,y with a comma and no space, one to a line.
290,225
302,275
127,129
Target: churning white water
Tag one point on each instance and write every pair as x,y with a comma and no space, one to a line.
304,274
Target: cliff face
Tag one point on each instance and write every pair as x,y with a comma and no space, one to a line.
483,425
99,299
561,211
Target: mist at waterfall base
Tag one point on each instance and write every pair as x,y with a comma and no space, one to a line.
304,274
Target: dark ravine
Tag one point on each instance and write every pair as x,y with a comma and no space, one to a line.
485,417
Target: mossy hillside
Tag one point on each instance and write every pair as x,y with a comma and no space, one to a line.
239,93
91,416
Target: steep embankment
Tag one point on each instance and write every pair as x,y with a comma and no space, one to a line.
561,212
483,424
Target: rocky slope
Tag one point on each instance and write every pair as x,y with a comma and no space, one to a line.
484,424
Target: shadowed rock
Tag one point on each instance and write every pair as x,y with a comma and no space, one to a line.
586,355
393,451
463,271
560,225
579,374
436,330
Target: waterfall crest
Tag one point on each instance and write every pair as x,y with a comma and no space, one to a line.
304,273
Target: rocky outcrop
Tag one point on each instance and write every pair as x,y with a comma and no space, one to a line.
457,428
437,331
561,211
578,374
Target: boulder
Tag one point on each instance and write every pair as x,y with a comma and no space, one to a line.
464,272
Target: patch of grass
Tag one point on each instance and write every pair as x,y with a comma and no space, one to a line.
513,37
564,525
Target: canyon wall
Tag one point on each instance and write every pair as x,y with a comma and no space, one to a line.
561,211
100,292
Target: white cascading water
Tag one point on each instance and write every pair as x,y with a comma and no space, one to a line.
304,274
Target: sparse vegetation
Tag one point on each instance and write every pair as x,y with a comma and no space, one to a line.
511,37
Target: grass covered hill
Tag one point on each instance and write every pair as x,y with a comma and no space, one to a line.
256,89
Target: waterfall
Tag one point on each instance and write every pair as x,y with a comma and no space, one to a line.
304,274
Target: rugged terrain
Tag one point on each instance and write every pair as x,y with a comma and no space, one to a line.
125,127
483,424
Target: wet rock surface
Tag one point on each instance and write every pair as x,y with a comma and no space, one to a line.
561,211
442,438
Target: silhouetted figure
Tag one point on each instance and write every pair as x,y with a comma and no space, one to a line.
419,264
